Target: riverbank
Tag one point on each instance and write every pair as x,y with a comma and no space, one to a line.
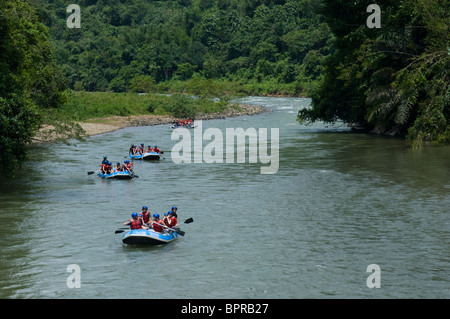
96,126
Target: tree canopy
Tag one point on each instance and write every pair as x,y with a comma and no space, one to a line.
281,41
393,79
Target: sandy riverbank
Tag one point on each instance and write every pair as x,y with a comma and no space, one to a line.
113,123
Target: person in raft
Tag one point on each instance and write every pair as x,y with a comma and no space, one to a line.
170,221
141,149
173,222
156,149
166,221
118,167
103,167
104,164
135,222
127,166
106,168
132,150
145,215
174,211
157,224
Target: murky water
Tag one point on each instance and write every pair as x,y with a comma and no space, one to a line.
338,203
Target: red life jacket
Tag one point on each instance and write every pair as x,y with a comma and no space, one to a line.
157,226
135,224
173,221
146,217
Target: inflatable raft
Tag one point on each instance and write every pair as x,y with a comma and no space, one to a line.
116,175
185,126
147,156
148,237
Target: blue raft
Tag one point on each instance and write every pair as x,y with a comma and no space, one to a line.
148,237
147,156
183,126
116,175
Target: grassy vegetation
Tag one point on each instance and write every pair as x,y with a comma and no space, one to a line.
82,105
173,98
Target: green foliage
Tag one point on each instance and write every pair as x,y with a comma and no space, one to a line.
121,42
83,105
182,106
30,82
142,84
394,79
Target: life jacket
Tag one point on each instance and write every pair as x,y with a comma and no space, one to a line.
157,226
135,224
173,221
166,222
146,217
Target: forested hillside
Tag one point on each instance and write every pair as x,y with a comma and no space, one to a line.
122,42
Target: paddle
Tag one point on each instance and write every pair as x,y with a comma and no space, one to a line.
180,232
189,220
91,172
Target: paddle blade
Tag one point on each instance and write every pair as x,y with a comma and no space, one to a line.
189,220
180,232
90,173
119,231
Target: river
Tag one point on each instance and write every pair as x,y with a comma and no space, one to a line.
338,203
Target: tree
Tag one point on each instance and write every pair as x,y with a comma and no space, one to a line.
142,84
30,82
